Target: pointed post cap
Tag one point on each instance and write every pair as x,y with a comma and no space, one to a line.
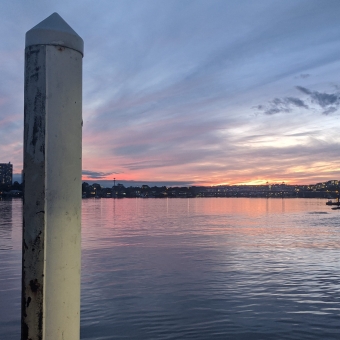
54,30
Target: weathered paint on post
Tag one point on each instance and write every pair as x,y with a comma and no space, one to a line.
52,177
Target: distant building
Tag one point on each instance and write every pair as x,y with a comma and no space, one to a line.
6,173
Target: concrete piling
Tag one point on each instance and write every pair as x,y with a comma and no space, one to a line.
52,181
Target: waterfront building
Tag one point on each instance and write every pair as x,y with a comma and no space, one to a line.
6,173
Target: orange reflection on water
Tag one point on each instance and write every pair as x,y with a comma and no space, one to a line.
238,222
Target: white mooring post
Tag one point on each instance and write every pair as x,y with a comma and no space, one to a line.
52,177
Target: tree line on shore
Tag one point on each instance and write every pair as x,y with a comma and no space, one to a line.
145,191
328,190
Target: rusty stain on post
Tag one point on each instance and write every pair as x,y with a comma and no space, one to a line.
33,222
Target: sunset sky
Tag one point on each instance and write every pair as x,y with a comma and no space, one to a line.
182,92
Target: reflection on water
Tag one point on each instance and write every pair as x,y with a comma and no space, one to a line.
10,267
5,224
207,268
210,269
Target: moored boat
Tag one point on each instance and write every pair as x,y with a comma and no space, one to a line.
330,202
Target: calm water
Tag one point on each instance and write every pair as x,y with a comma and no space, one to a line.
204,268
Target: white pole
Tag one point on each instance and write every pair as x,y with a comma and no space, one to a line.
52,177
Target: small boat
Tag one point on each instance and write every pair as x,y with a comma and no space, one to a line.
330,202
336,208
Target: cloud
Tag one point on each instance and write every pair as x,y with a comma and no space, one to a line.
322,99
328,101
281,105
296,101
330,110
97,174
303,76
110,183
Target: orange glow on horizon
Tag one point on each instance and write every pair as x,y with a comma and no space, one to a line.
198,182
